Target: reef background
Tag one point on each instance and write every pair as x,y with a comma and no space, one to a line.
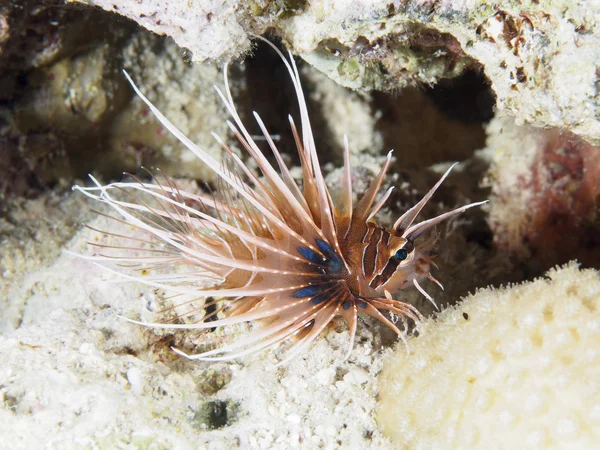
512,93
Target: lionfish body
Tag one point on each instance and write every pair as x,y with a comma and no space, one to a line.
268,249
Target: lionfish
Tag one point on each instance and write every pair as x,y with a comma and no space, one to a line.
268,248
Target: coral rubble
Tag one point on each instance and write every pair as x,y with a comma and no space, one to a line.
75,375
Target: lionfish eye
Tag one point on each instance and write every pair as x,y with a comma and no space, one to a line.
401,254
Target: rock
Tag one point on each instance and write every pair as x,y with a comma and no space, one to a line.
541,58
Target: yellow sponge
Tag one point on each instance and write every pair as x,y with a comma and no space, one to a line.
517,367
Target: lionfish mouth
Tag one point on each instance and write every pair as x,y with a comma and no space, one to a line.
267,248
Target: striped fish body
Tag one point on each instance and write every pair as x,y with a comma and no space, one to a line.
370,253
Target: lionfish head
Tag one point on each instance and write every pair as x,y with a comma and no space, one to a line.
265,248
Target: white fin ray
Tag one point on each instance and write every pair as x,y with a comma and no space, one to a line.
172,240
365,203
249,237
405,221
416,230
214,165
325,205
380,204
